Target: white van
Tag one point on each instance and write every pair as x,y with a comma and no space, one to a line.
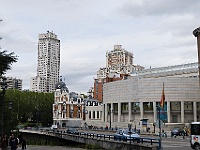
195,135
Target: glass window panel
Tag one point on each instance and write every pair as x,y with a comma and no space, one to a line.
148,106
175,106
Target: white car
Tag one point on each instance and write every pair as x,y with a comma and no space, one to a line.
53,127
125,134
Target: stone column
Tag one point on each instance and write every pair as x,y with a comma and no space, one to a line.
195,111
119,112
129,111
154,112
106,112
141,111
92,114
112,112
102,114
168,112
182,112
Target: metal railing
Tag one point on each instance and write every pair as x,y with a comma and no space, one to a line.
62,134
141,140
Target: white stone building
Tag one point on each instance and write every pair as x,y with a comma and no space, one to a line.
136,98
48,67
13,83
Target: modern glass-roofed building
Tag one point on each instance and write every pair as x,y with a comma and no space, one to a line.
136,98
183,70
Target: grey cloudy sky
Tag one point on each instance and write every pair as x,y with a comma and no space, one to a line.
157,32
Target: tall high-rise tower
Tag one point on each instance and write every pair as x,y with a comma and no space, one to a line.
119,58
48,67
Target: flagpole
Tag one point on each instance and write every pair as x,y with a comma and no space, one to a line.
160,135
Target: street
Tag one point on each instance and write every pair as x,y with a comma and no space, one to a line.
176,143
169,143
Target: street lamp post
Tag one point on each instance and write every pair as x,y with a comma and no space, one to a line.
159,125
4,87
84,110
135,126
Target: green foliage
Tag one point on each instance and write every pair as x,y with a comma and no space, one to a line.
6,60
28,108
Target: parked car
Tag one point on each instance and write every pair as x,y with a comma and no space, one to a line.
125,134
54,127
72,131
177,132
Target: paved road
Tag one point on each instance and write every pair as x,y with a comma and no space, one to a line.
34,147
176,143
169,143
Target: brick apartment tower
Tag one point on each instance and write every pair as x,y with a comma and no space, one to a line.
118,61
196,33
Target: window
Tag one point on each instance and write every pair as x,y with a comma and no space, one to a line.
93,114
148,106
135,106
89,114
188,106
124,107
97,114
175,106
115,107
195,129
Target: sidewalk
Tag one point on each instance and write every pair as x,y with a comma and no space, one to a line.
36,147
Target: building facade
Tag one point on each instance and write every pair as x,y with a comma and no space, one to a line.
137,98
67,111
119,59
48,67
119,64
13,83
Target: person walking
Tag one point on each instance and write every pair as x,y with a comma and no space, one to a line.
4,142
23,142
13,142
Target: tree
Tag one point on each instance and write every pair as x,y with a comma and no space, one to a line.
6,61
28,107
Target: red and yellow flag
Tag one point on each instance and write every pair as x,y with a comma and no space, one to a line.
162,100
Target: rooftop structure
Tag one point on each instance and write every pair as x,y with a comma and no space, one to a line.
183,70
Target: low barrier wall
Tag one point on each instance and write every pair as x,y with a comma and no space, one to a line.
102,141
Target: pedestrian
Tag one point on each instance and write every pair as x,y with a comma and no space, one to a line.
23,142
106,127
13,142
1,141
4,142
186,130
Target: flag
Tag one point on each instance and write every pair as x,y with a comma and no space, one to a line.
162,100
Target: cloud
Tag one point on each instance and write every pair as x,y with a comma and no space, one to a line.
158,33
157,8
